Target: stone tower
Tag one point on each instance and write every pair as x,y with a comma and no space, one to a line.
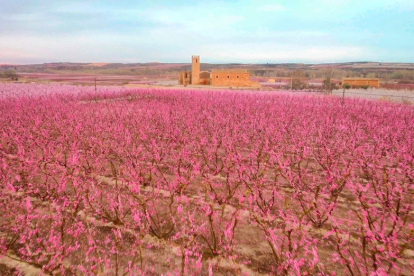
195,70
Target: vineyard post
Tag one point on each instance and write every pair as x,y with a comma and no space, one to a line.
330,82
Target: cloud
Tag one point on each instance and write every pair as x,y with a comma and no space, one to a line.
222,31
270,52
303,34
13,56
273,8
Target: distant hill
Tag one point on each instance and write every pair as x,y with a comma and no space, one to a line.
386,72
128,68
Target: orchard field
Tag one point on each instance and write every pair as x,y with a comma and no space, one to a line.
186,182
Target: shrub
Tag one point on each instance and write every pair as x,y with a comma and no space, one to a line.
10,74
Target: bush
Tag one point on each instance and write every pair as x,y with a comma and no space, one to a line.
327,83
297,84
9,74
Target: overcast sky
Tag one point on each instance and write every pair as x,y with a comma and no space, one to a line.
309,31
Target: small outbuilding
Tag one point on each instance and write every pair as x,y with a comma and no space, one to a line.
359,82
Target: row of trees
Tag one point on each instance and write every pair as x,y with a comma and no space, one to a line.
404,75
298,83
9,74
151,182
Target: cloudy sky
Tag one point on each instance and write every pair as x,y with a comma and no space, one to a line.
310,31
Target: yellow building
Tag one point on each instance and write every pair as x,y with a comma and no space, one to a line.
359,82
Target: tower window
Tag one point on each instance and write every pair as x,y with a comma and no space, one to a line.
228,77
216,77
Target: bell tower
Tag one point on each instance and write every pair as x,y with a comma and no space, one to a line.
195,70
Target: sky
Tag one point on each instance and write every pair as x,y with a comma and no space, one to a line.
226,31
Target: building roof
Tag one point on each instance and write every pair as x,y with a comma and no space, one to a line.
370,79
218,71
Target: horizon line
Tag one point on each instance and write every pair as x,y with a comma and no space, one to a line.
216,63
